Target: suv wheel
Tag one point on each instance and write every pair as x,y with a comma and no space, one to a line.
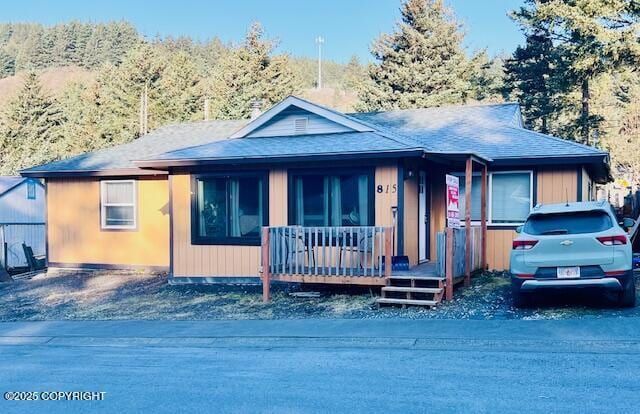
628,295
520,300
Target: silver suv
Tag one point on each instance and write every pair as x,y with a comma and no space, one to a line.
572,245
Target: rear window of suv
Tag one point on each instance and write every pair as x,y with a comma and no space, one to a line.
568,223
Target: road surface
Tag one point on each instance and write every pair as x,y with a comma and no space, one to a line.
324,366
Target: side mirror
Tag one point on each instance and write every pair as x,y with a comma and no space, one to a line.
519,229
628,222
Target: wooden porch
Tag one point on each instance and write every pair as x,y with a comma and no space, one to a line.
363,255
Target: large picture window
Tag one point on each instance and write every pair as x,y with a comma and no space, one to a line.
118,204
339,199
229,209
510,197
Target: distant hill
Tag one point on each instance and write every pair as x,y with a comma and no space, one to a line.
53,80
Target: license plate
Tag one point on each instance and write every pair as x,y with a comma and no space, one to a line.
568,272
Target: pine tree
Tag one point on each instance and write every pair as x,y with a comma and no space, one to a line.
354,73
179,97
250,72
487,79
529,78
422,64
30,131
7,65
592,36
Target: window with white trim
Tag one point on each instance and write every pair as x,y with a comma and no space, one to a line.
509,197
118,204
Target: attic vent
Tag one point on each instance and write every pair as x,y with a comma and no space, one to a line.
300,125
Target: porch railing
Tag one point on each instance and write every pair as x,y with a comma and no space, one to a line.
328,251
451,257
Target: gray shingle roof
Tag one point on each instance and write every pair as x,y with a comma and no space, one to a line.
494,132
164,139
288,146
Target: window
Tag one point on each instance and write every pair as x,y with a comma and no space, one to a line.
31,190
509,197
229,209
118,204
476,193
578,222
343,199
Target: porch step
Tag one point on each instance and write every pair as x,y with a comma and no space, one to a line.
390,301
416,277
411,289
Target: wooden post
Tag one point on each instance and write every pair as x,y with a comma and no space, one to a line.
468,175
266,268
448,263
483,213
388,251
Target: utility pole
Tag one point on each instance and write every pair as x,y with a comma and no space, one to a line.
319,42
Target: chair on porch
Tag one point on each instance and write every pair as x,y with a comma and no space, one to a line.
364,240
296,244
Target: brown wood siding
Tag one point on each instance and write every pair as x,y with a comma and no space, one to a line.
75,236
499,248
203,260
557,185
244,261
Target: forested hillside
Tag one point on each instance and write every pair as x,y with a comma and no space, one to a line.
76,86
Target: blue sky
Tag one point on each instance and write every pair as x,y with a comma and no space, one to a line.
348,26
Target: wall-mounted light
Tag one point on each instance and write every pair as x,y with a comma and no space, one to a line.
409,174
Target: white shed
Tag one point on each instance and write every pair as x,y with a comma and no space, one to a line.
22,219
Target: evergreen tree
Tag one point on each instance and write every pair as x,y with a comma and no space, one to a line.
592,36
354,73
179,93
529,78
249,73
7,65
422,64
487,79
29,134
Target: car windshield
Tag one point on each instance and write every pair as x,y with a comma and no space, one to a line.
568,223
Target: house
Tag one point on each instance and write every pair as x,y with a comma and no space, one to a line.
339,193
22,212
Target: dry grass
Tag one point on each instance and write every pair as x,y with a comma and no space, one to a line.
103,295
53,80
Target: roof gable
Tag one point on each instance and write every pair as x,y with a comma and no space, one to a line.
281,119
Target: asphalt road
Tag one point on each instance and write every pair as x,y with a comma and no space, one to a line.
325,366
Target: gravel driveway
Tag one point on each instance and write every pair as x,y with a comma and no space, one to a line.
100,295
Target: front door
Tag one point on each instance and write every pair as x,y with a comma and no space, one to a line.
423,217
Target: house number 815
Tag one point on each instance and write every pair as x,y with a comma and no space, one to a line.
386,189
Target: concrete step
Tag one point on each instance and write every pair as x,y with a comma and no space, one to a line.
389,301
411,289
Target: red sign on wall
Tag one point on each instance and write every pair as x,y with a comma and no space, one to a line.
453,201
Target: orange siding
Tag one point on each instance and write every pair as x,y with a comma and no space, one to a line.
207,261
244,261
75,236
557,185
499,248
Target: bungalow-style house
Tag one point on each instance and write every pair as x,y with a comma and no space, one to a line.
336,194
22,212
